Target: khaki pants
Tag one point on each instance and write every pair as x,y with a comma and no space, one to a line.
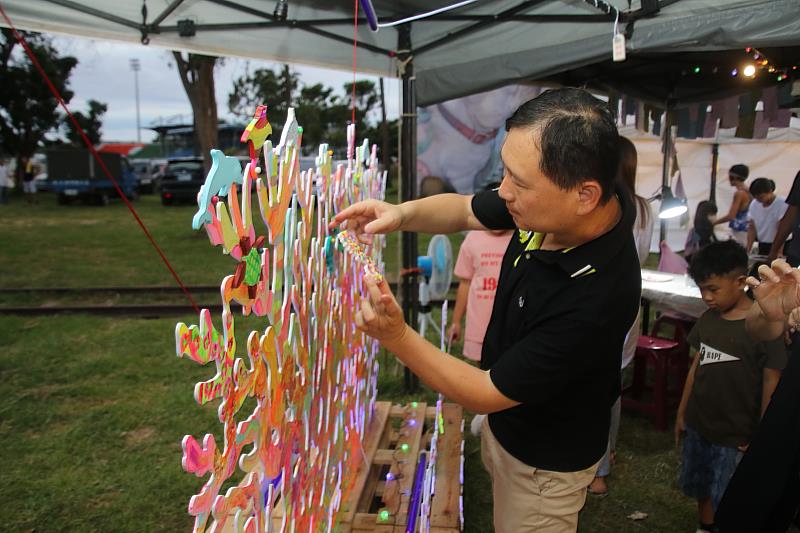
531,499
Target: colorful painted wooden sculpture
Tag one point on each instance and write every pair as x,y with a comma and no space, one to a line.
312,374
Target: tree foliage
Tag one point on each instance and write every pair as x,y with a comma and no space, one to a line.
322,112
28,110
91,123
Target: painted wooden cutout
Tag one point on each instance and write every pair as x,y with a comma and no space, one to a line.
311,373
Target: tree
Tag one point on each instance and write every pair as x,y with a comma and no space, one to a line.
264,86
28,110
91,124
197,75
314,114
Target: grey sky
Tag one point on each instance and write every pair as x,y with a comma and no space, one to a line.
103,73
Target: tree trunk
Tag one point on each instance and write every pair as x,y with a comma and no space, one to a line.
197,76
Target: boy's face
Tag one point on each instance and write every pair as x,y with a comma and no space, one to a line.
722,292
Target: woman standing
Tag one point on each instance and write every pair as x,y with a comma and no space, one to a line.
737,214
642,235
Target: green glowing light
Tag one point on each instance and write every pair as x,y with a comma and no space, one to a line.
383,515
414,405
404,447
697,70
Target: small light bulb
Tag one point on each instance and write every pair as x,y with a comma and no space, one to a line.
413,422
404,447
258,170
749,71
383,515
390,477
734,72
414,405
697,70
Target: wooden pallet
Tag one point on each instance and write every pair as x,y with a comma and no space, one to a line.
383,447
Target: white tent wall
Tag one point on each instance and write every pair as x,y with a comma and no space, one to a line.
776,160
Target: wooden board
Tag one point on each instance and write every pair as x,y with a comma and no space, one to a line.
383,452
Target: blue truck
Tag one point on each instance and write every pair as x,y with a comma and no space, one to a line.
73,174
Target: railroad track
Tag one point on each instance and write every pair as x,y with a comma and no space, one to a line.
158,310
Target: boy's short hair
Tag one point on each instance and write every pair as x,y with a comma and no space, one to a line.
718,259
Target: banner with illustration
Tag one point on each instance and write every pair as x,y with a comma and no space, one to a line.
458,141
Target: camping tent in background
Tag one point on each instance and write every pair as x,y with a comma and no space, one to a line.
777,158
480,46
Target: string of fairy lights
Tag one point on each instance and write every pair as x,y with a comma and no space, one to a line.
755,65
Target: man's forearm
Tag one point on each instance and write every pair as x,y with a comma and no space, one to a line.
760,327
456,379
441,213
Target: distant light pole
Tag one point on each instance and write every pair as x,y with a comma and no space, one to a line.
136,67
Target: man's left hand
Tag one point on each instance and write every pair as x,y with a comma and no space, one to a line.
380,315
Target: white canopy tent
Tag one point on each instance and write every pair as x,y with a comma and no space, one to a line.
480,46
487,44
777,157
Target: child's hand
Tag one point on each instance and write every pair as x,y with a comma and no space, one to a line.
680,429
454,332
794,320
743,448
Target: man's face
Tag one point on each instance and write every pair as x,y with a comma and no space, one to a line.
534,201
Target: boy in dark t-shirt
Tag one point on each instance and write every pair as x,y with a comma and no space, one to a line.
730,382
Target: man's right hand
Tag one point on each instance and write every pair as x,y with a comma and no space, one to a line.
369,217
777,291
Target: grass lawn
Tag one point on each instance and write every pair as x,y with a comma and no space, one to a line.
93,409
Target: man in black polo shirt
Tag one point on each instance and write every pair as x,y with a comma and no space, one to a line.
568,292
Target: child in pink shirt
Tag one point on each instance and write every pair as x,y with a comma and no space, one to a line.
478,267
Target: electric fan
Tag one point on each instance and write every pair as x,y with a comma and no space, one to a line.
437,273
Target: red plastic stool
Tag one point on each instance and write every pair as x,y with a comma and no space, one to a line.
681,326
667,358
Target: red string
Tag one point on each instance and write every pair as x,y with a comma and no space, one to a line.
97,158
355,45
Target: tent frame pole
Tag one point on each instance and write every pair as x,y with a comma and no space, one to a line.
408,169
667,149
712,193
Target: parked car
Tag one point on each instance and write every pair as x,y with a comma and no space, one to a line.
182,179
143,168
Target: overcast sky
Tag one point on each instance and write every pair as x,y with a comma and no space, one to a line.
104,74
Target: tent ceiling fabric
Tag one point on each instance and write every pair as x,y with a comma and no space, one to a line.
455,54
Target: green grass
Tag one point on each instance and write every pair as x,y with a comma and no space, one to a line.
93,409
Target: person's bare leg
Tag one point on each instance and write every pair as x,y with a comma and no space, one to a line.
598,485
705,511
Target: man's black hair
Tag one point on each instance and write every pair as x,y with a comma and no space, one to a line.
578,137
761,186
718,259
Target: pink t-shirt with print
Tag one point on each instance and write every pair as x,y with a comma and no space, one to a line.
479,262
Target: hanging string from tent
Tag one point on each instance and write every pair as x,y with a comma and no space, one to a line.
355,55
96,156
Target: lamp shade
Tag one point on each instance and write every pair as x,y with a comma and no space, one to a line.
671,207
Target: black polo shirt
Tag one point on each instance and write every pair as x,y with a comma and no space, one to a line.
554,342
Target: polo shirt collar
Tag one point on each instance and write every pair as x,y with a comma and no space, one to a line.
594,255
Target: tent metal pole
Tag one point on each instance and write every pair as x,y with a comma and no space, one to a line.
408,166
712,195
667,149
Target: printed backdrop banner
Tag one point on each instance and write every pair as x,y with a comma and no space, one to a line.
459,141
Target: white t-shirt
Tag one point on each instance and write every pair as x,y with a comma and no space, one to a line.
766,219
